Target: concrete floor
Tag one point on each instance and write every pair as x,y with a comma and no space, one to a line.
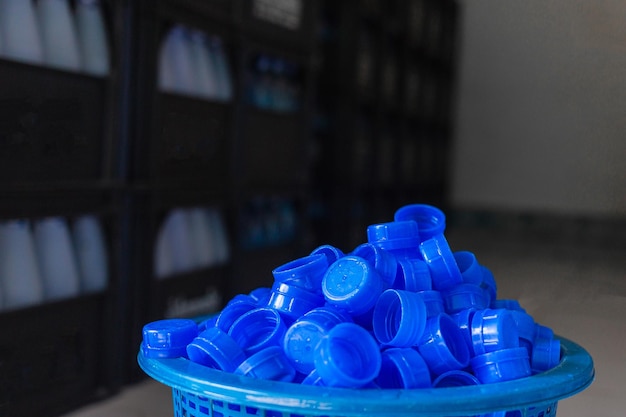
575,285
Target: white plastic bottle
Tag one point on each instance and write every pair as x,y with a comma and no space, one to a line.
91,253
203,65
56,258
179,241
58,35
162,262
92,37
201,235
176,73
20,280
220,236
225,87
19,32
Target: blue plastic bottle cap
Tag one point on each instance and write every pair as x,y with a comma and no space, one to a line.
216,349
313,378
443,268
258,329
348,356
241,298
493,330
489,283
382,261
463,320
292,302
168,338
306,272
501,365
455,379
471,270
399,318
261,295
543,331
431,221
332,253
413,275
352,284
442,345
269,363
302,337
525,324
208,323
403,368
434,302
465,296
546,354
402,238
233,311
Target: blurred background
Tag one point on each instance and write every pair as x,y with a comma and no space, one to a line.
158,157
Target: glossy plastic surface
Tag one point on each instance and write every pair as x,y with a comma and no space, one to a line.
574,373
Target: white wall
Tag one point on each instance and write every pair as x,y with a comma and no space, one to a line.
541,107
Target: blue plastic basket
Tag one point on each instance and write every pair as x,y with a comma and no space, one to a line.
199,391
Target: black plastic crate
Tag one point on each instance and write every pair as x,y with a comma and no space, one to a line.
66,353
55,357
290,23
193,142
271,149
52,125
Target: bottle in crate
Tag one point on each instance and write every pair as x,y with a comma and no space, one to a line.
19,32
92,37
20,280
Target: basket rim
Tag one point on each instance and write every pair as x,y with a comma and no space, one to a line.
573,374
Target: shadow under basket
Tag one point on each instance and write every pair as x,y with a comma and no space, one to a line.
201,391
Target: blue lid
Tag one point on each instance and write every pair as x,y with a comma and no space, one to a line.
313,378
470,269
351,283
431,221
493,330
214,348
456,378
400,237
489,283
306,272
463,320
433,301
413,275
382,261
403,368
292,301
465,296
442,345
332,253
399,318
443,268
348,356
302,337
501,365
269,363
258,329
233,311
546,354
168,338
261,295
525,324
